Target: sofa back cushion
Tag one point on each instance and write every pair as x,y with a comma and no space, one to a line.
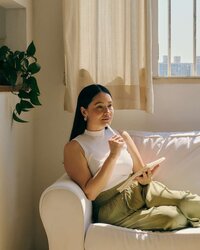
181,169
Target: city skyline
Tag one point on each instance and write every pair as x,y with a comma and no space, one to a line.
178,68
176,59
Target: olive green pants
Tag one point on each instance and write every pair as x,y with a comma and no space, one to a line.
151,207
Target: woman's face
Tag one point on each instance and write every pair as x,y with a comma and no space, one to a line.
99,112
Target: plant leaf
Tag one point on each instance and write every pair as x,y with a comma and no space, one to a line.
16,54
34,98
12,77
21,55
32,83
23,94
25,64
3,51
17,119
18,64
26,104
31,49
18,108
34,68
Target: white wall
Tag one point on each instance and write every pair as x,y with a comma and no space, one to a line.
2,26
176,108
16,179
52,123
16,154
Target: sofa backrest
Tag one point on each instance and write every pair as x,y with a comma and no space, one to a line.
181,169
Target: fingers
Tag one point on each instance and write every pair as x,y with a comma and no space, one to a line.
149,173
116,143
117,138
145,178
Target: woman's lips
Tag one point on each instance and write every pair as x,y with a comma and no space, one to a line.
106,119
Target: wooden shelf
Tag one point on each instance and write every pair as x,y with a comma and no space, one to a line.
4,88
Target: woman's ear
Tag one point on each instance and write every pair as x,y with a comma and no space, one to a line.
83,111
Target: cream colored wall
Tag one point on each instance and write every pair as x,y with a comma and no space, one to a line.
17,30
16,152
176,109
2,26
176,106
52,123
16,179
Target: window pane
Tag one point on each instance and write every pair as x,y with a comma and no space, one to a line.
182,37
163,37
182,29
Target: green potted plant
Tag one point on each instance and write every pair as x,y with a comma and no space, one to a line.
17,69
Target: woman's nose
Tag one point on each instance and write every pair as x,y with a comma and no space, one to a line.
106,109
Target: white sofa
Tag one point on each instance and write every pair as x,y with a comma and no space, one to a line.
66,212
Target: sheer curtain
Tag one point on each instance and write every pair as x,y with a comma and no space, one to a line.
109,42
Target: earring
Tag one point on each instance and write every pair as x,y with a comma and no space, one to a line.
85,118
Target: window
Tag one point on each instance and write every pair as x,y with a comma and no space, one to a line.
178,34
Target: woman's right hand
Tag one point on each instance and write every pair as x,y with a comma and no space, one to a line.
116,143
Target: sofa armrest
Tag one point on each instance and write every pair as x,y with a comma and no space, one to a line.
66,214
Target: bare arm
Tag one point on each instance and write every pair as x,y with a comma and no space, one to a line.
77,168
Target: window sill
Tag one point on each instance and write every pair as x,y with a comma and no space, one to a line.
176,79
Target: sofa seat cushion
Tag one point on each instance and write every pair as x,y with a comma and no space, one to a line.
108,237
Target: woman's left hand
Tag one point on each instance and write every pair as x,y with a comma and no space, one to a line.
145,178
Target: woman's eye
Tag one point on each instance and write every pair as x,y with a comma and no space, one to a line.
99,107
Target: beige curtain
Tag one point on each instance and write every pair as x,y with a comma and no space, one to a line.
109,42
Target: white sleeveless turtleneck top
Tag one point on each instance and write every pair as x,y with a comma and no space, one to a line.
96,149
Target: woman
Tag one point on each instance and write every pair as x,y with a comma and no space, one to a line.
99,160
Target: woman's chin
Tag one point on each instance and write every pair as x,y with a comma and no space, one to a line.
107,122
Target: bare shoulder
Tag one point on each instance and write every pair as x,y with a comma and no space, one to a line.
72,146
76,164
73,153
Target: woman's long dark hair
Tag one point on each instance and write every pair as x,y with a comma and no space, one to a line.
84,99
